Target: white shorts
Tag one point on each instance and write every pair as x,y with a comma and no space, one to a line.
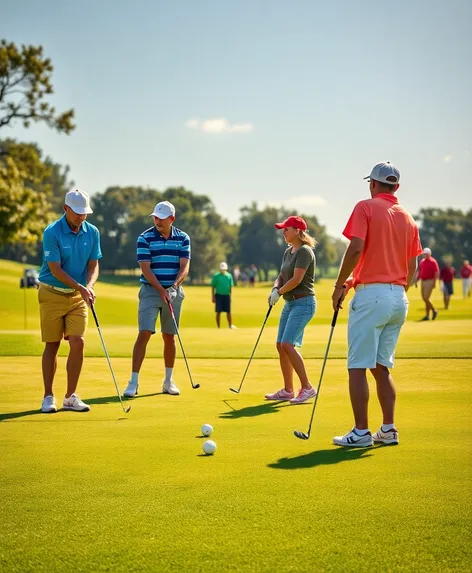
376,314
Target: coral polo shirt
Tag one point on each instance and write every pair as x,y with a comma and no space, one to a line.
390,237
428,269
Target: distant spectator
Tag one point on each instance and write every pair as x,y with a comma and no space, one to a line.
466,273
221,285
428,273
236,275
244,277
252,274
447,275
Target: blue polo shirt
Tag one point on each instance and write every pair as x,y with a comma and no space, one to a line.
163,254
72,250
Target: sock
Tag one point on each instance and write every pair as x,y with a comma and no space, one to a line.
387,427
362,432
134,377
169,372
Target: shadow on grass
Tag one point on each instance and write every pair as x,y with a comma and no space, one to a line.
321,458
92,401
251,411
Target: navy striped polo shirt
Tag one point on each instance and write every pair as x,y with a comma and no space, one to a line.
163,254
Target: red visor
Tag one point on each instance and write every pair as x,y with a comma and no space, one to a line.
295,222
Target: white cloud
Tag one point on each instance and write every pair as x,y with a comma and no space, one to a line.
447,159
306,203
218,125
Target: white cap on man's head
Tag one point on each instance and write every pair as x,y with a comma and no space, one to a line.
78,201
385,172
223,266
163,210
427,251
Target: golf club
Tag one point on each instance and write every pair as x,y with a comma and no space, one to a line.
125,409
171,310
257,342
297,433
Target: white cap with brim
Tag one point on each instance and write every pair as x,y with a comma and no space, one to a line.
78,201
427,251
385,172
163,210
223,266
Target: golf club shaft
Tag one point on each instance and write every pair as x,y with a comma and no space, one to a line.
108,358
254,350
171,310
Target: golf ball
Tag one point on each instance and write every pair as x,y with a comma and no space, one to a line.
209,447
207,430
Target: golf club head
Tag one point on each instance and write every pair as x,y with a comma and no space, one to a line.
195,386
127,409
301,435
234,390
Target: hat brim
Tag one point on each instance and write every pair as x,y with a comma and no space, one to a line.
281,226
87,211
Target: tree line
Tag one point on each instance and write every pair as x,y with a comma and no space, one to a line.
32,189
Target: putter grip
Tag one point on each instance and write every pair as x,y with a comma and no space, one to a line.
94,315
335,318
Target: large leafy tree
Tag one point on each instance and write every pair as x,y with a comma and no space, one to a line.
25,84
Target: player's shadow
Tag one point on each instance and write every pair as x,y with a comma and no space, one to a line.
321,458
252,411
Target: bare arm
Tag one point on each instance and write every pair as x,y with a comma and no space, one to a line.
183,272
412,267
213,294
279,281
60,274
349,262
297,278
92,273
152,279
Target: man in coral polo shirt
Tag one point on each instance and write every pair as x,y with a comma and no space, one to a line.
447,276
428,273
466,273
382,255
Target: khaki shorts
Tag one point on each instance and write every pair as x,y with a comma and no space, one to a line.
427,287
61,314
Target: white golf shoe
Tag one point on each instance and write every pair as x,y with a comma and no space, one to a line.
48,405
131,390
389,438
75,403
353,440
168,387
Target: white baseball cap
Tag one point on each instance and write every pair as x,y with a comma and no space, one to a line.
78,201
385,172
223,266
163,210
427,251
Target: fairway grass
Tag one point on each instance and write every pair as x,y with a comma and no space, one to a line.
101,491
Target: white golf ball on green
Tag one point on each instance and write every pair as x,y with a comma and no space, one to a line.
207,430
209,447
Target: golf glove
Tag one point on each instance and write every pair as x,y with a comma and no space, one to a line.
172,292
274,296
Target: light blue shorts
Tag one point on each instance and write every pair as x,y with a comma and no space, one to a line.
296,314
376,314
151,306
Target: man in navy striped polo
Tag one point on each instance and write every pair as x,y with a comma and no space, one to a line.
164,257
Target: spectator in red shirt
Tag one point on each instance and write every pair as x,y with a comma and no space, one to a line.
447,275
466,273
428,273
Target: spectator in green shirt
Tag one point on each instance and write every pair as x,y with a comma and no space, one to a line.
221,285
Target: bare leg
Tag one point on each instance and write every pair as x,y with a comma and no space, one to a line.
359,393
218,316
385,392
230,321
74,363
139,350
296,361
286,367
49,365
169,350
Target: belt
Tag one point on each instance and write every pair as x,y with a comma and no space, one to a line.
59,289
390,286
297,296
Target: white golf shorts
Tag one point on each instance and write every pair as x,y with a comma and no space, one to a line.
376,314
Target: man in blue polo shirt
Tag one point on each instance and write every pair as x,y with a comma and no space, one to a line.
71,250
164,258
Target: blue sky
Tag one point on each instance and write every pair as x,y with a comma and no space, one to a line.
274,101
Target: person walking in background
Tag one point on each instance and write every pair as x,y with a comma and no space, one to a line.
71,251
252,274
382,255
236,275
428,273
163,253
466,273
447,275
221,285
296,284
